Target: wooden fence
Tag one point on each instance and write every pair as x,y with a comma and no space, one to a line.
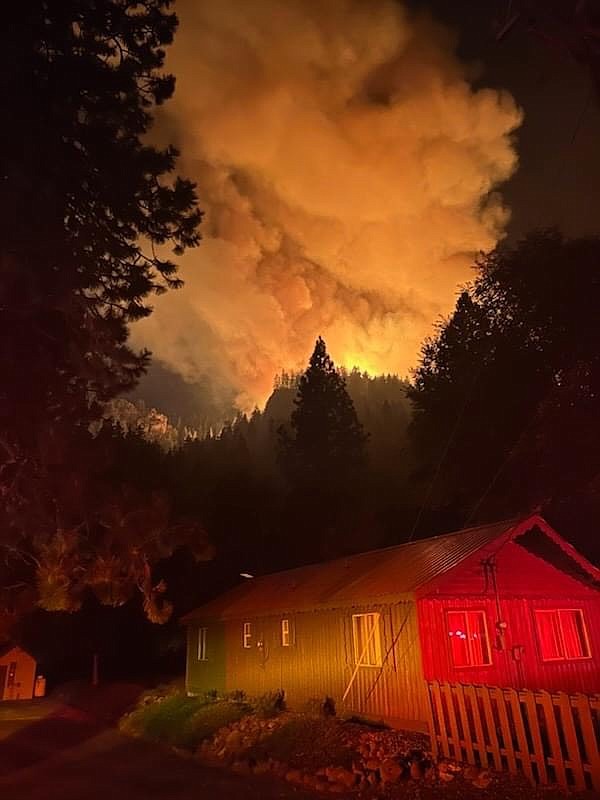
551,738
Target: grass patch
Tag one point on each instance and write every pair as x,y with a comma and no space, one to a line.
308,742
180,720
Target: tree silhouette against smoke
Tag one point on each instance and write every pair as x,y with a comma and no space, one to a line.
327,441
87,211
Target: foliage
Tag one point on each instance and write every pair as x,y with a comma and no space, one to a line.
181,720
320,706
293,743
89,211
326,436
506,394
269,704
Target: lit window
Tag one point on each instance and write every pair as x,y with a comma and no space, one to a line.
562,634
367,643
247,635
285,633
202,644
469,640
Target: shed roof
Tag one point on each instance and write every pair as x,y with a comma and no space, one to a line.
374,576
7,647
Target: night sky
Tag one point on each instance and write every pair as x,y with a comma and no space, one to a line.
558,179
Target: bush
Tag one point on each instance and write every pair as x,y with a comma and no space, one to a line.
309,742
269,704
320,706
180,720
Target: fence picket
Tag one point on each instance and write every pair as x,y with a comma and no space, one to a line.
583,705
533,724
491,726
554,739
517,714
471,694
568,728
464,718
437,696
447,691
509,750
557,731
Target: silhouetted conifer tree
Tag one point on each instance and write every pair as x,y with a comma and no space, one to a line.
327,441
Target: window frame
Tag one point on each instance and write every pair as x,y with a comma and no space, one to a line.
286,632
202,652
467,611
247,635
376,639
584,628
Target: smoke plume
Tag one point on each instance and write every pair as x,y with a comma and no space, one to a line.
347,170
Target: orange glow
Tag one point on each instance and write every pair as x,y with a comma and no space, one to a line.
347,171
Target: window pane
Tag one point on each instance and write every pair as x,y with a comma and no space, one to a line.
573,633
549,634
480,654
457,635
201,644
285,632
367,648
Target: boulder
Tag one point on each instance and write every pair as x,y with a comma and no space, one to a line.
390,770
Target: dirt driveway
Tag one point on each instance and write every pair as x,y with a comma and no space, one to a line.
60,753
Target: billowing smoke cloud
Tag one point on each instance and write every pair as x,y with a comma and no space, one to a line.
347,170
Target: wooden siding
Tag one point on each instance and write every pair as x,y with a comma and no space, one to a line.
320,661
519,573
204,676
24,679
582,675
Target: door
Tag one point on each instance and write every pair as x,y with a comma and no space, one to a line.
3,669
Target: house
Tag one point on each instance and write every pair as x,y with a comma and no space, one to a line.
510,604
17,673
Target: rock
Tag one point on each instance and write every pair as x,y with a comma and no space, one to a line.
345,777
416,770
233,740
293,776
471,772
390,770
483,780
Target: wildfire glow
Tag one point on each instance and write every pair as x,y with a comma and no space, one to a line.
347,170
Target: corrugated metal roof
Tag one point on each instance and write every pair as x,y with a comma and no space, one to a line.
354,580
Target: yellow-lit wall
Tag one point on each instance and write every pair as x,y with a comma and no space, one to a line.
320,661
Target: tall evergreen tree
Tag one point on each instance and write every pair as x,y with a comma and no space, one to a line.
89,211
327,441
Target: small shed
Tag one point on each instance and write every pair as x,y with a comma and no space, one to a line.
17,673
509,604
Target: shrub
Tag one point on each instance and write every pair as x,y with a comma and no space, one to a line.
309,742
320,706
180,720
269,704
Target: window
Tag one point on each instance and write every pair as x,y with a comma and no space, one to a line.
285,633
12,671
202,644
469,640
562,634
247,635
367,644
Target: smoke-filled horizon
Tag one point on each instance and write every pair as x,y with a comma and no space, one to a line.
348,174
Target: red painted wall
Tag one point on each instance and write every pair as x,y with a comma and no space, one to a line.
524,583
